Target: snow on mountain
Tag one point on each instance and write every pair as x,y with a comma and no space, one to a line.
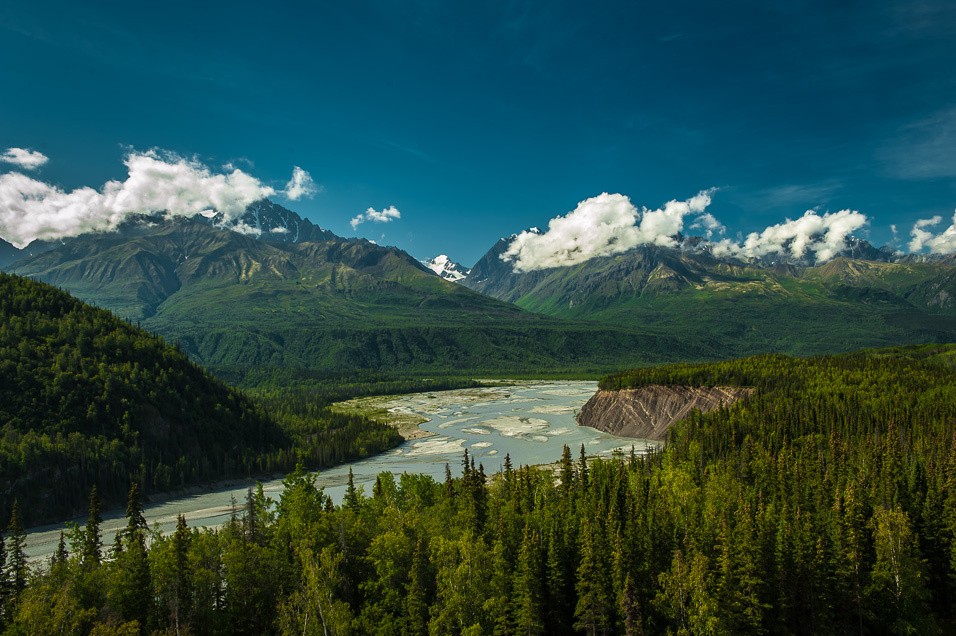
446,268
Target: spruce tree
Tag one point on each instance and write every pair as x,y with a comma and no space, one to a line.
418,594
631,609
4,580
18,569
182,575
593,612
60,555
134,511
527,590
92,542
567,470
583,469
252,530
449,488
351,499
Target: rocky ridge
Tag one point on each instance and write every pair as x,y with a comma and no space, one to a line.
648,412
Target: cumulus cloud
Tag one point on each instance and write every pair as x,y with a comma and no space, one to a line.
942,243
920,234
709,224
300,185
823,235
24,158
377,216
156,182
601,226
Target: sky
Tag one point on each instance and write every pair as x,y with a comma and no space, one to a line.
439,127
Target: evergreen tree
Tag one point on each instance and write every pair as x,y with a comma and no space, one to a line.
351,499
5,587
136,521
593,612
560,582
17,566
251,518
528,589
60,555
583,469
418,593
449,489
567,470
181,598
92,542
631,609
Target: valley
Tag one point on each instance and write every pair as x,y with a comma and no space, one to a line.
478,319
530,422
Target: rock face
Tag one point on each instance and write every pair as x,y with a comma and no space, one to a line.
648,412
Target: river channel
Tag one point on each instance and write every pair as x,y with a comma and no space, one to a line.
531,422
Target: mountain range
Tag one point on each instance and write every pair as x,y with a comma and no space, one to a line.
864,297
273,290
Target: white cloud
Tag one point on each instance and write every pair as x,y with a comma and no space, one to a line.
24,158
709,224
156,182
823,235
601,226
920,235
942,243
377,216
300,185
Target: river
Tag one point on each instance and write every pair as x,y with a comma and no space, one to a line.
530,421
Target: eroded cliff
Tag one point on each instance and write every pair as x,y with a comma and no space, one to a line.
649,411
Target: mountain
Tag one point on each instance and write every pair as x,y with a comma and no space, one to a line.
743,307
273,223
446,268
237,301
8,253
86,399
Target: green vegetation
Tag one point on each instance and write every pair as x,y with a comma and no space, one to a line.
824,504
87,399
732,309
236,305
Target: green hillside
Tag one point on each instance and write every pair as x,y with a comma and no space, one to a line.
87,399
235,303
747,308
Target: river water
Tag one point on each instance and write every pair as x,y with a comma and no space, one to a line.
531,422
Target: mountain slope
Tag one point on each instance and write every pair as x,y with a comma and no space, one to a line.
88,399
235,301
8,253
749,307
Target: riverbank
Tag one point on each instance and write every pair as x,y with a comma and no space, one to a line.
530,421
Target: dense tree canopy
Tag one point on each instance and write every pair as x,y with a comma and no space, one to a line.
824,504
87,399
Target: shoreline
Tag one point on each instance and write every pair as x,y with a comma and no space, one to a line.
207,506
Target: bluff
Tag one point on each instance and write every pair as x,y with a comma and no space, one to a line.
648,412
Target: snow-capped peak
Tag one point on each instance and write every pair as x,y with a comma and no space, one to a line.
446,268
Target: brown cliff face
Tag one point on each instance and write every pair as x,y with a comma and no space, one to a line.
648,412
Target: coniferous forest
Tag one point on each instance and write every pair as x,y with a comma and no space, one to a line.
87,399
823,504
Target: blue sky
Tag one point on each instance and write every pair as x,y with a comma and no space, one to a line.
479,121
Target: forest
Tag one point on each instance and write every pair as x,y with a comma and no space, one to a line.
823,504
88,399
